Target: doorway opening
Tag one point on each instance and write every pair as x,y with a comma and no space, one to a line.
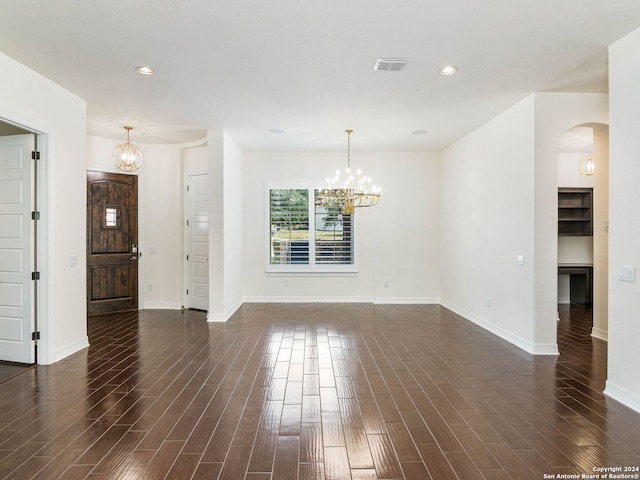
20,284
583,213
112,242
195,240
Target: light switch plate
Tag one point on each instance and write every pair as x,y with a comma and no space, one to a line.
627,274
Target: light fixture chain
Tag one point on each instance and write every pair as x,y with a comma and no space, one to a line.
349,148
349,151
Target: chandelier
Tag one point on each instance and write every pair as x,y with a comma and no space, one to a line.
350,193
126,156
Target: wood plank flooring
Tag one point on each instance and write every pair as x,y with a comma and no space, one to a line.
10,369
314,391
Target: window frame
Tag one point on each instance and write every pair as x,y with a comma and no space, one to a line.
312,268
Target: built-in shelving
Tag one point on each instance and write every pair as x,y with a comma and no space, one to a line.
575,211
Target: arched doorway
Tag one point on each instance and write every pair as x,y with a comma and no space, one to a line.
583,214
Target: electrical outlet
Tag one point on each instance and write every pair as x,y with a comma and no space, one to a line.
286,283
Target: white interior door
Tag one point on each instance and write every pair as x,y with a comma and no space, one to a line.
16,249
197,242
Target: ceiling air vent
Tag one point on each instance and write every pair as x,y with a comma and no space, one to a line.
390,64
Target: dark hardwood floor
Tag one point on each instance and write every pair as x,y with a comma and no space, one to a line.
312,391
9,370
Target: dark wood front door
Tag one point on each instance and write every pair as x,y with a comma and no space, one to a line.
112,242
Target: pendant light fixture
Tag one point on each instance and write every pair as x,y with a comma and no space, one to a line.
126,156
350,193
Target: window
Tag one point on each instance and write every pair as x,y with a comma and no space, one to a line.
306,237
289,224
111,214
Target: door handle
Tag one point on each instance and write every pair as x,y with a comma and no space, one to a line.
134,257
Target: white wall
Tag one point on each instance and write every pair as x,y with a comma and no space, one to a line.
233,228
195,159
407,228
215,160
224,165
38,104
487,221
396,241
161,223
623,381
159,217
569,171
601,235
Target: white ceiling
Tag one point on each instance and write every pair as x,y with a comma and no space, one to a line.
306,66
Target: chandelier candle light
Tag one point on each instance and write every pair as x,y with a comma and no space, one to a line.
350,193
126,156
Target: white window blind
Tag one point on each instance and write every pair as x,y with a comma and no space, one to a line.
289,226
305,236
333,235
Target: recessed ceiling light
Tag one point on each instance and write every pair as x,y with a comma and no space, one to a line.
419,132
390,64
277,130
448,70
144,70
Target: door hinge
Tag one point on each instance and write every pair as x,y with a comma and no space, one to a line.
187,291
35,155
35,215
35,335
35,275
187,223
187,188
187,257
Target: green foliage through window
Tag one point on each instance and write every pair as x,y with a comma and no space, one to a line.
324,239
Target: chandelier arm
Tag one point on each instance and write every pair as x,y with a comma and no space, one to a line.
353,193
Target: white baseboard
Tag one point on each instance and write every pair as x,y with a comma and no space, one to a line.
407,300
601,334
230,311
215,317
292,299
223,317
162,306
622,395
533,348
324,299
71,348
